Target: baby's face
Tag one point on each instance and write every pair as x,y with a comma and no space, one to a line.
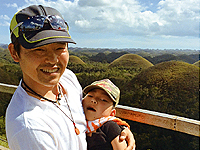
97,104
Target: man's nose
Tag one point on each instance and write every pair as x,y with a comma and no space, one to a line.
51,58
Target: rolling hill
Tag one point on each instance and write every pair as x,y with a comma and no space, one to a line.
131,60
197,63
75,60
171,87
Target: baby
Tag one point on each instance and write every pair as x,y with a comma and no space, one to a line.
103,129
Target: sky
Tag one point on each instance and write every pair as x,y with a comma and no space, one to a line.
152,24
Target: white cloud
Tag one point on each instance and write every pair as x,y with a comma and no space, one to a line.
107,15
82,23
176,18
128,17
12,5
5,17
5,23
93,3
35,1
182,17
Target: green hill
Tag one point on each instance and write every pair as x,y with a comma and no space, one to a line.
5,56
168,57
131,60
197,63
171,87
75,64
10,73
75,60
107,56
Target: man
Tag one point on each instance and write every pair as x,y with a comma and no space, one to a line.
45,112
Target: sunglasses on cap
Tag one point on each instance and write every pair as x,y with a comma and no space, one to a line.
37,22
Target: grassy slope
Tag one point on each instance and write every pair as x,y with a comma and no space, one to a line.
131,60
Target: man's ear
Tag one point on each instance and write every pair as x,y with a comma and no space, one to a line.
113,113
13,52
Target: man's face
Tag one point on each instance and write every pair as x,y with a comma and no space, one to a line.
97,104
44,65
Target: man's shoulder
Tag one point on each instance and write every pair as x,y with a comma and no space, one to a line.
69,78
68,74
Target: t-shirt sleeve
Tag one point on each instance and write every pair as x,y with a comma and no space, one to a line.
112,130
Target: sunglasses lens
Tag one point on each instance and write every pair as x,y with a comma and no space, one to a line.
58,23
37,23
32,24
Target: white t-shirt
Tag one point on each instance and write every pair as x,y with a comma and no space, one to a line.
32,124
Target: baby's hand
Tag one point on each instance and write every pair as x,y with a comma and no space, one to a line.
127,135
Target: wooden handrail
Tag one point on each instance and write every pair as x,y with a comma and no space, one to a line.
158,119
6,88
172,122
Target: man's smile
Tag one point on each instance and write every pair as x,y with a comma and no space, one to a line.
50,70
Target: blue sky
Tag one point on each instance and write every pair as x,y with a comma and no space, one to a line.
154,24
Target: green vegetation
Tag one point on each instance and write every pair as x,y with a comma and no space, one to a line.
2,132
75,60
131,60
197,63
168,57
171,87
148,79
2,143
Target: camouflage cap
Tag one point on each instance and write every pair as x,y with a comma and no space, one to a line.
106,85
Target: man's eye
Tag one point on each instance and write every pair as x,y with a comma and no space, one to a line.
58,49
39,50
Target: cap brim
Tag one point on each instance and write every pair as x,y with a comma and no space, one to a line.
35,39
90,87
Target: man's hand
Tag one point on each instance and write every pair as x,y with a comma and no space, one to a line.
127,135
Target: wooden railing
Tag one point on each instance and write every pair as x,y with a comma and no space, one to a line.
162,120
